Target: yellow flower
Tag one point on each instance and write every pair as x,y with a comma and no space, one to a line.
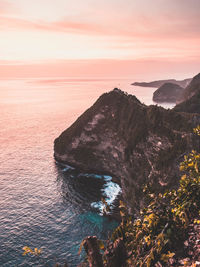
29,250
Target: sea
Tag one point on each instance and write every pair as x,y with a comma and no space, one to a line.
43,204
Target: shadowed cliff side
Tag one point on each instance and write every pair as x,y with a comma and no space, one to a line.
134,143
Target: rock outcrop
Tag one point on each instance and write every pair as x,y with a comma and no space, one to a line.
182,83
168,92
135,143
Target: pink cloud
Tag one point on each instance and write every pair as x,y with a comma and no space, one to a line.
139,27
57,26
168,31
153,20
4,6
7,8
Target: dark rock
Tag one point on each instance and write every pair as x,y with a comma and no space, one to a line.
135,143
93,252
168,92
116,254
191,245
182,83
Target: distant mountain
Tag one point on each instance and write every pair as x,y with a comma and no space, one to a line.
168,92
182,83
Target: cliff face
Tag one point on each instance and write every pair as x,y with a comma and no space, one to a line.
168,92
134,143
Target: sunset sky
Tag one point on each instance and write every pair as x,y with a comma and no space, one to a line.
99,38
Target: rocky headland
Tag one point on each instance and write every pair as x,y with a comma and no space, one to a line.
168,92
135,143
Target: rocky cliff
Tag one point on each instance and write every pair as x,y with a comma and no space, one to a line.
135,143
168,92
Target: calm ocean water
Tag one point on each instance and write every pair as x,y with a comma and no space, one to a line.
42,204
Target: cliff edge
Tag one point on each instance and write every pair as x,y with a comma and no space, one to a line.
135,143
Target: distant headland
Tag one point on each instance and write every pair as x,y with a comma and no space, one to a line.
182,83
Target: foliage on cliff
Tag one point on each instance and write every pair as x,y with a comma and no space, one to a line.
157,236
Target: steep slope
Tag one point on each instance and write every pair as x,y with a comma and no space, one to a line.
190,100
135,143
168,92
192,88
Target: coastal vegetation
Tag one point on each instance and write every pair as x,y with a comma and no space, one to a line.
160,235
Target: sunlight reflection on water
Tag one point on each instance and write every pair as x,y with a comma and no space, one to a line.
42,205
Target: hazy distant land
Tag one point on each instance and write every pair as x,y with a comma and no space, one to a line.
182,83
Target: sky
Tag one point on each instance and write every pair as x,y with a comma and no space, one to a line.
99,38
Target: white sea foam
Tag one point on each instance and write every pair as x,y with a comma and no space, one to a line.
110,191
67,168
